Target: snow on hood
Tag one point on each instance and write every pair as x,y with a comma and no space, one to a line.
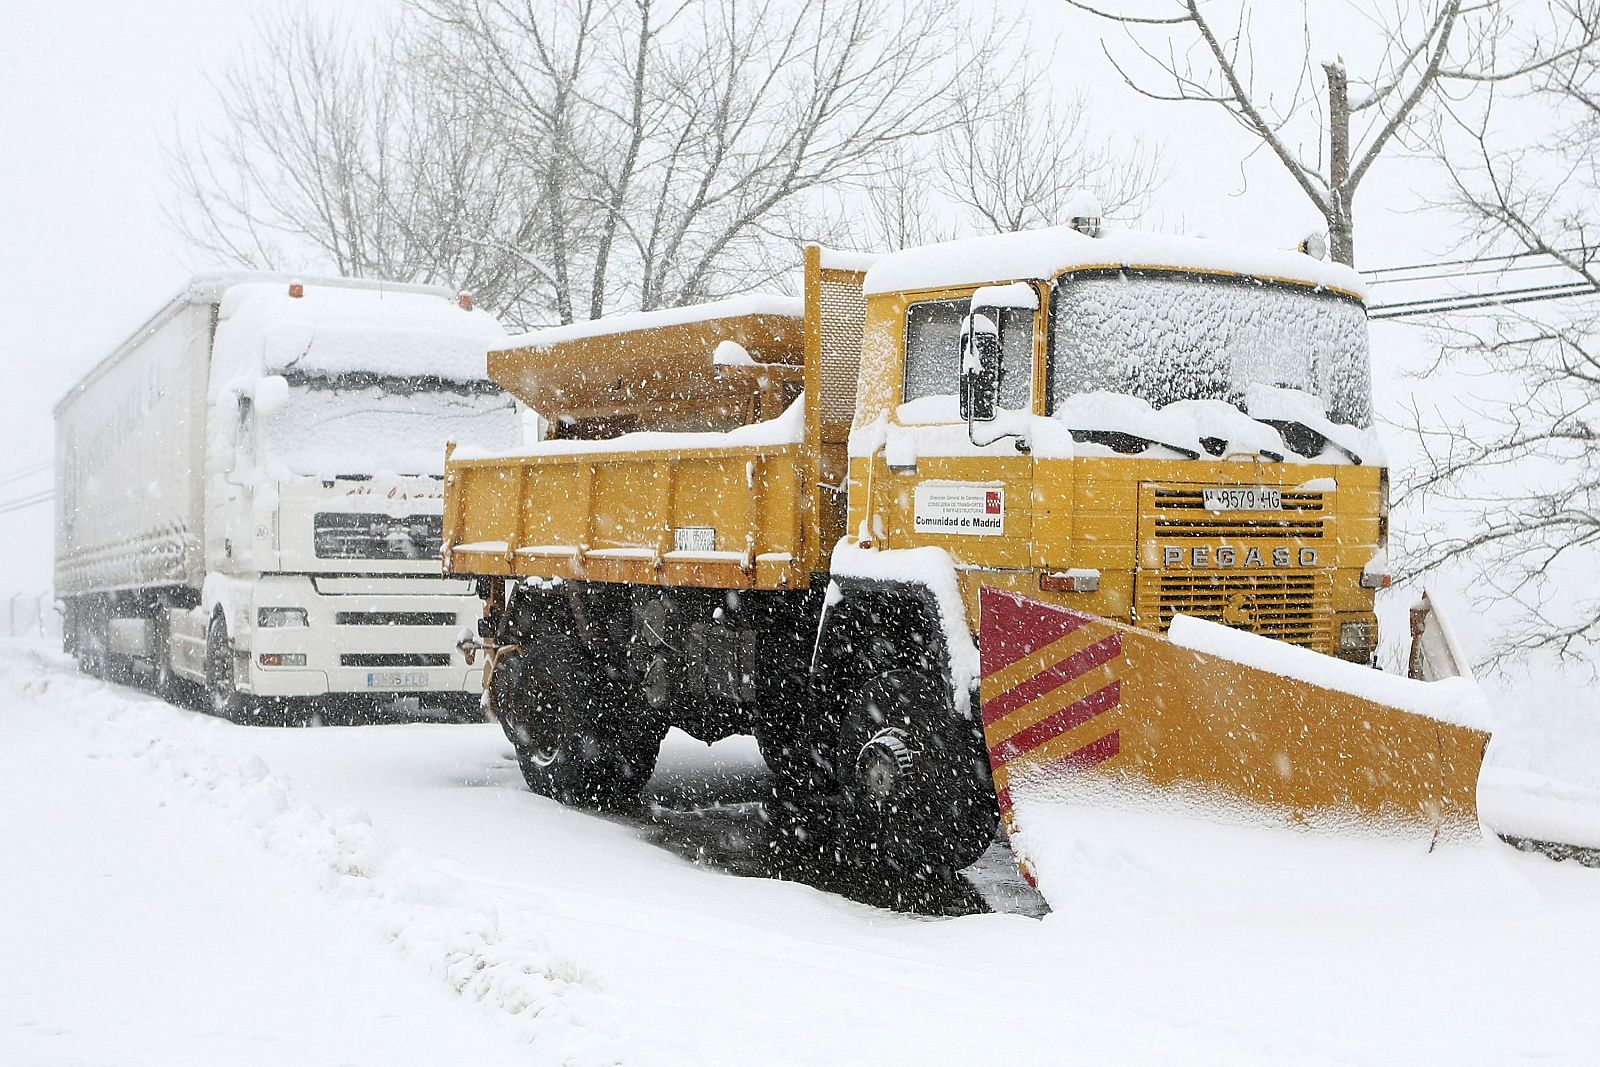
1187,425
735,307
332,331
1272,404
1184,426
1043,254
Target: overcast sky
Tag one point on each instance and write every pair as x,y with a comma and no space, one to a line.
89,91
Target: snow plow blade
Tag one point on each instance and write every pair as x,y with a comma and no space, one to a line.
1095,715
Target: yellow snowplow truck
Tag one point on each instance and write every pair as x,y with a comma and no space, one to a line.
925,532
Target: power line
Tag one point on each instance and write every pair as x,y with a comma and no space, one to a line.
1564,287
24,472
27,501
1445,276
1473,261
1417,274
1471,301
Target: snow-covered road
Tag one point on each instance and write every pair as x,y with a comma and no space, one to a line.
178,890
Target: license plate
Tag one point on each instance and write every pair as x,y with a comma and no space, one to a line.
694,538
397,680
1242,498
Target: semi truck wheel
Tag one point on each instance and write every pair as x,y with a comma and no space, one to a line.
920,801
167,684
91,655
90,642
223,698
551,707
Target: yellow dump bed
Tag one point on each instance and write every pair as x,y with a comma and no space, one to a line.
706,509
708,367
718,483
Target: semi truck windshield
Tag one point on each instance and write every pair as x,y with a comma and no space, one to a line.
367,425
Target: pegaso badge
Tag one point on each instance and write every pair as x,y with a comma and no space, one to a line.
1226,557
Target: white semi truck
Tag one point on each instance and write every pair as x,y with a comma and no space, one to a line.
249,492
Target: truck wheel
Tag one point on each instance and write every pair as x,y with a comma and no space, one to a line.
91,656
552,711
167,684
920,801
223,698
796,758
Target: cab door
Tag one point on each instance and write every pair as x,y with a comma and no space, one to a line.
964,487
231,472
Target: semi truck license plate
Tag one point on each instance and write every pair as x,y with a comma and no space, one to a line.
397,680
1242,498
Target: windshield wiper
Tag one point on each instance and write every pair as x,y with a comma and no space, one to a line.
1218,446
1306,441
1127,443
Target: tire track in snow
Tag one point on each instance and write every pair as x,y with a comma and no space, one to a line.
481,949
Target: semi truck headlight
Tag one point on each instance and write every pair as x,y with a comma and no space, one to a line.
1356,636
283,659
268,618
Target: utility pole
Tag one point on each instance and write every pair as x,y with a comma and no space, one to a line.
1341,228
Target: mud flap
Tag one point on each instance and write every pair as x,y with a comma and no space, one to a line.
1114,726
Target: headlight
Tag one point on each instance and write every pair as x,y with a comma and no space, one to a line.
1356,636
277,617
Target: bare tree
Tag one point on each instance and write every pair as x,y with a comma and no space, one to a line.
1011,159
315,108
569,157
675,141
333,154
1510,486
1021,162
1425,46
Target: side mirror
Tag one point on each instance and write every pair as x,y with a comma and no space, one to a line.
242,468
271,393
980,367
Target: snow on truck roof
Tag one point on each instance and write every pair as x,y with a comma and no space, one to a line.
209,287
707,353
738,307
334,329
212,287
1043,254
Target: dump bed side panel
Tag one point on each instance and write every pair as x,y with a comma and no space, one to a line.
707,517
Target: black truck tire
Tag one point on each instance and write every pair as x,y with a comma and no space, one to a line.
223,698
551,705
912,770
919,797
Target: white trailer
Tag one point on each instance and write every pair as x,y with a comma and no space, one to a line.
249,494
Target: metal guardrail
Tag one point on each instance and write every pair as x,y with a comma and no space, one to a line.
29,615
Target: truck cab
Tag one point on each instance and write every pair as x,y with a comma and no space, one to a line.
1152,426
268,523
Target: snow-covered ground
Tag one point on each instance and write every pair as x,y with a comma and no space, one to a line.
182,890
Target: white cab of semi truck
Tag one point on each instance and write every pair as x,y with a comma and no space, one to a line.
249,494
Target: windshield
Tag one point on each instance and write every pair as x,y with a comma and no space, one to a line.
331,427
1164,337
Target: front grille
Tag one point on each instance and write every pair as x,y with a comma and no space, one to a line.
1292,607
395,659
362,535
395,618
1182,513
